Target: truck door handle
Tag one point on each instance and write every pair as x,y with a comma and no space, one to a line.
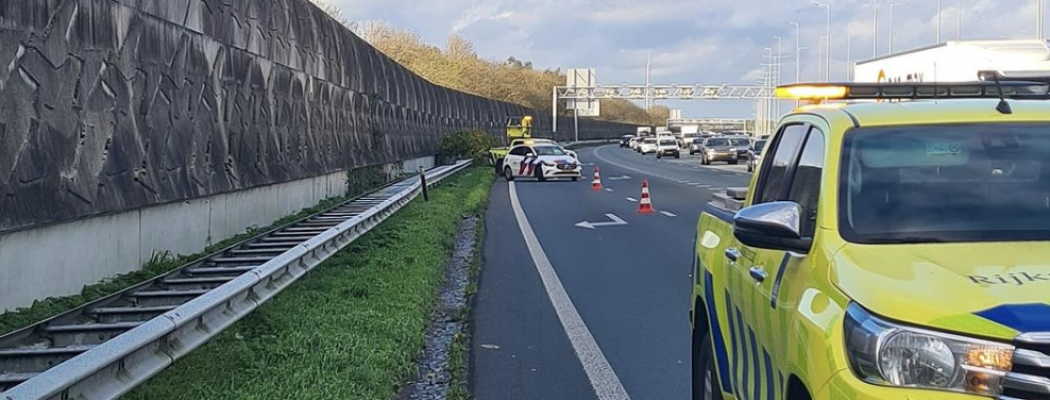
758,274
732,254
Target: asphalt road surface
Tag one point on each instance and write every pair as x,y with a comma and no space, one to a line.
571,312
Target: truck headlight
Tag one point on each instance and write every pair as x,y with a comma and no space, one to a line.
884,353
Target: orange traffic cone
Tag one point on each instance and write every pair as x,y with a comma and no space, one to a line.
645,205
596,184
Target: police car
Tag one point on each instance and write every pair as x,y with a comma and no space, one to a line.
890,247
540,161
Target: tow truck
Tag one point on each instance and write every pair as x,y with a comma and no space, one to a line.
894,243
519,132
517,129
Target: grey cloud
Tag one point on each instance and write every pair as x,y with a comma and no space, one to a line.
702,41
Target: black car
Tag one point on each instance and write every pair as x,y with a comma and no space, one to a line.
625,140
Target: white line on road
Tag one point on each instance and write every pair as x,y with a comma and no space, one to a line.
669,214
608,189
632,199
603,379
614,221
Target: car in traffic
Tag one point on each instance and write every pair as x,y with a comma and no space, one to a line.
625,140
741,144
541,161
647,145
668,147
718,148
884,250
686,139
754,154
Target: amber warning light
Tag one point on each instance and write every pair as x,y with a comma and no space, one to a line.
812,92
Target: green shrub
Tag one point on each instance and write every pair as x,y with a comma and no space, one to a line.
468,144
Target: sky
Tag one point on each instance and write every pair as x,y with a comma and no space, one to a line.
693,41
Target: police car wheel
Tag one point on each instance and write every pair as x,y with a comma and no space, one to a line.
539,174
705,384
508,174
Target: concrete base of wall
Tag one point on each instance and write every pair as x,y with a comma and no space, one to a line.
59,260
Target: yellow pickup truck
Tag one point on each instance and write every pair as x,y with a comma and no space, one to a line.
886,248
519,130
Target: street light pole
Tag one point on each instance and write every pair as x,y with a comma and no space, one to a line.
1040,11
892,6
827,48
798,52
958,22
779,68
875,29
938,21
849,50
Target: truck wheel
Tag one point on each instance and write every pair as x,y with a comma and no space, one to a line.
508,174
499,167
705,378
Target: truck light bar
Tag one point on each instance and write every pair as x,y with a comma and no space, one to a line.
1018,90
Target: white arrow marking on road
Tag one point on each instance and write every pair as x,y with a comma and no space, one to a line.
669,214
632,199
591,225
620,178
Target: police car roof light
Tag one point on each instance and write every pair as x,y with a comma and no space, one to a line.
1004,89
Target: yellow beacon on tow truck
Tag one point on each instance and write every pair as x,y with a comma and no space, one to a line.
895,246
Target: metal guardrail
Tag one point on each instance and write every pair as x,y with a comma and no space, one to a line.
125,360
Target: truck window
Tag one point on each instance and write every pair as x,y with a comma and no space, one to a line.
805,186
951,183
773,185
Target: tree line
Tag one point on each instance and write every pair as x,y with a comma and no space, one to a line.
457,66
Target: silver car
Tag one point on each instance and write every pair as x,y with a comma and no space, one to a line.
722,148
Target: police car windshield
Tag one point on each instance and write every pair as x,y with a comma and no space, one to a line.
549,151
946,184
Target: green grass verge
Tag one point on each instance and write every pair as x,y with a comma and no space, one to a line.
358,182
459,357
352,328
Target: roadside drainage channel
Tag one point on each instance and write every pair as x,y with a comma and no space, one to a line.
434,377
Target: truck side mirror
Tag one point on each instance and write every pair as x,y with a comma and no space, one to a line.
772,226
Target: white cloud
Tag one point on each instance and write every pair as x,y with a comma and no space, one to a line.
691,41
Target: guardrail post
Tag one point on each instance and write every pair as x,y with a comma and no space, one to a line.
423,181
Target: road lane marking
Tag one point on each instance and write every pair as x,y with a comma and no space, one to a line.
603,379
608,189
632,199
616,221
620,178
669,214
